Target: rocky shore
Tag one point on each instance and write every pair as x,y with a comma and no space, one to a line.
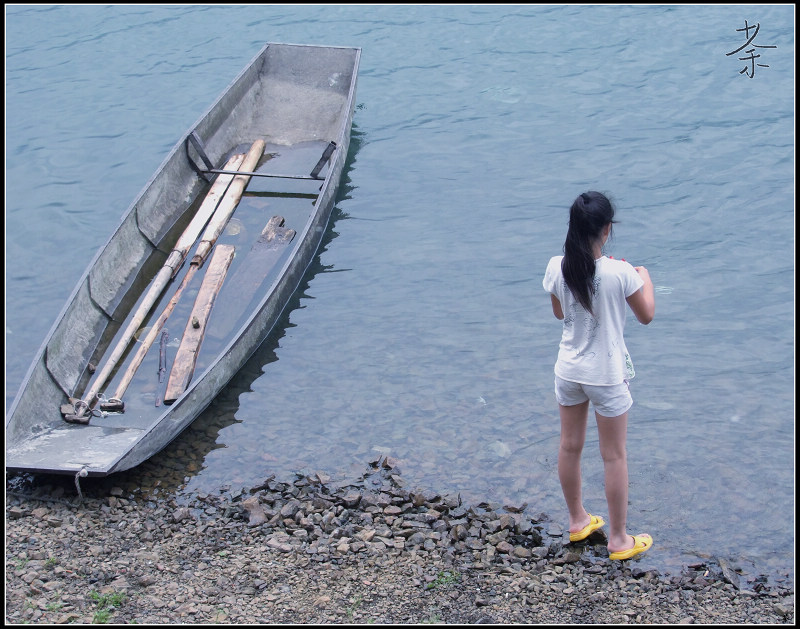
313,551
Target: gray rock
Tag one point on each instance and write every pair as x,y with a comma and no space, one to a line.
255,512
728,572
180,514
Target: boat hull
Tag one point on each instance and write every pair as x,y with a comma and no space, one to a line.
289,95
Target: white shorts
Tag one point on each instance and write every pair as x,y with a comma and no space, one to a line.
609,401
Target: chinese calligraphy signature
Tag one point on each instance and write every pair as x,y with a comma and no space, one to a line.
750,69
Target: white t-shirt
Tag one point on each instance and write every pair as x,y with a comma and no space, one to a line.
592,349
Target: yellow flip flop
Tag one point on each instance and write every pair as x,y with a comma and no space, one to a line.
595,522
641,543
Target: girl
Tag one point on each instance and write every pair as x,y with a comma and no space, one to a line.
588,293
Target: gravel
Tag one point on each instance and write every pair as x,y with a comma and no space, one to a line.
367,551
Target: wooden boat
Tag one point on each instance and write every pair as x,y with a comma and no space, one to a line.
289,112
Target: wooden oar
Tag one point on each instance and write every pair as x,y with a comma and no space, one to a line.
186,356
210,236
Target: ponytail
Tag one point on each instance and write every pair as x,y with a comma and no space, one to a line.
589,214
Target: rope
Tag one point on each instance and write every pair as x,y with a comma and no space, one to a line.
81,408
82,473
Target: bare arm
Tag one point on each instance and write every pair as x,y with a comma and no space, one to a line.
557,311
643,301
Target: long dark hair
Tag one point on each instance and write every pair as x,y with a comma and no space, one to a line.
589,214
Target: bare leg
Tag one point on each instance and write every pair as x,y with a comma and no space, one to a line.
573,436
613,435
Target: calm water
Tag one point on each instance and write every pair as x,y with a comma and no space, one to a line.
423,331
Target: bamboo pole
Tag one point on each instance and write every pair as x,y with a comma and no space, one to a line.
213,230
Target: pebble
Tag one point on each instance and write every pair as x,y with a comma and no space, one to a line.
368,551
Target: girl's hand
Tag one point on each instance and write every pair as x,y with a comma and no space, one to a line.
643,273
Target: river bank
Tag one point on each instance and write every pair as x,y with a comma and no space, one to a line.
313,551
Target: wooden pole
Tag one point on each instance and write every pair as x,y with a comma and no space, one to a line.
186,356
215,227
